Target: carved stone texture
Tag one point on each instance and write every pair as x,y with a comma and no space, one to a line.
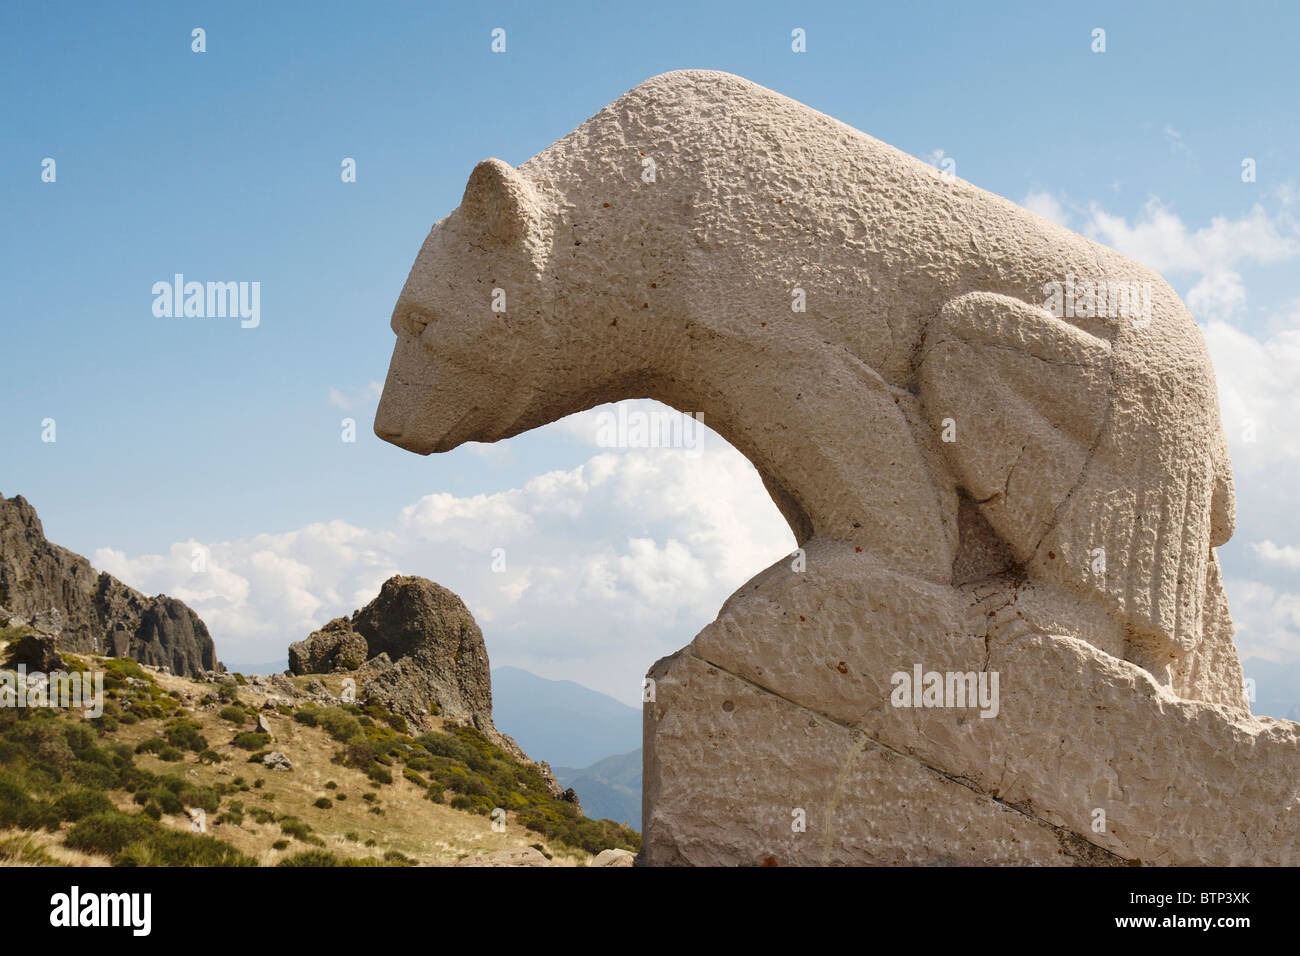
997,442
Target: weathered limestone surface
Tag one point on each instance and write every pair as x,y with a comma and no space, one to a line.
981,484
804,663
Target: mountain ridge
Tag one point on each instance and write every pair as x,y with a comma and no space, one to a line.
98,614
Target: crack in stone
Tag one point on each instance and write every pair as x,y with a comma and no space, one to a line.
1072,844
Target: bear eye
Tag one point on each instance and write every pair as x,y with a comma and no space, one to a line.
416,320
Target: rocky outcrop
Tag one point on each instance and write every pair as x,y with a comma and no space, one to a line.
35,651
614,857
335,647
514,856
438,661
417,652
423,653
99,613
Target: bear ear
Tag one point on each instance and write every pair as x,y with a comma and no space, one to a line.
500,200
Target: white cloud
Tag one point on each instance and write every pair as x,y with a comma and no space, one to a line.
1285,320
1286,555
349,398
1160,239
1218,295
608,565
1047,206
1259,401
1175,139
1267,620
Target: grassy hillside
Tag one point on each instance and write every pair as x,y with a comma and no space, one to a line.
125,788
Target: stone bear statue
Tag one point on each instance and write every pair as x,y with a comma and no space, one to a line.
987,433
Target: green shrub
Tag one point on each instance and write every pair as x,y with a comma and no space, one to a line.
235,715
323,803
162,749
231,815
18,809
322,858
357,754
118,669
206,798
184,733
108,833
338,724
299,830
168,802
377,712
251,740
442,745
280,845
79,803
414,777
95,775
165,847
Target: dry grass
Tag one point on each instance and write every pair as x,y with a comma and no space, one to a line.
432,834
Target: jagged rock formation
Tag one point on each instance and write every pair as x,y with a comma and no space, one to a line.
35,650
99,614
997,444
335,647
419,653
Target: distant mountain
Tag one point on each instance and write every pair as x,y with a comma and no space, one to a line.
609,789
561,722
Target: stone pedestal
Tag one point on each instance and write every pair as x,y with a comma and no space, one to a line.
773,739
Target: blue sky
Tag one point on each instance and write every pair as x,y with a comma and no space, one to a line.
225,165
